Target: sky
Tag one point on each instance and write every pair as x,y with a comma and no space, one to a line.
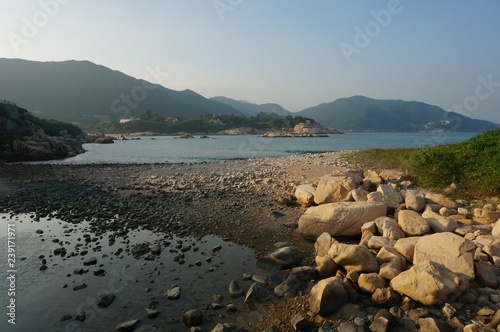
295,53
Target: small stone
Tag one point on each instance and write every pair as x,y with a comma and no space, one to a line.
81,316
217,305
174,293
90,261
235,290
231,308
80,286
65,318
104,298
128,325
152,313
192,317
257,293
449,311
300,323
260,279
216,248
99,272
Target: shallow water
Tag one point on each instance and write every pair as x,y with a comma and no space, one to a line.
167,149
42,297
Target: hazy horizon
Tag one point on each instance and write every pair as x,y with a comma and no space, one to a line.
298,54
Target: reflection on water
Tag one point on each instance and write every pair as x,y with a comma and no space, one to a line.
43,297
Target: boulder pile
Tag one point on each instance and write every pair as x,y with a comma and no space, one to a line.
401,253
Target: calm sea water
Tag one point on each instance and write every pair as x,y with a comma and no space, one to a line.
168,149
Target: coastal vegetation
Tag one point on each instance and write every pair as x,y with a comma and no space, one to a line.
17,122
471,166
207,124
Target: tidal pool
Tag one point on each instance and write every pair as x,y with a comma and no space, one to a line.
201,267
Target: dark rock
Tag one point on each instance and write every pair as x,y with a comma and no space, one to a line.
104,298
193,317
80,286
300,323
257,293
65,318
140,249
81,316
152,313
235,289
174,293
128,325
90,261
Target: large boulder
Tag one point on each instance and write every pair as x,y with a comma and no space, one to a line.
439,223
429,283
370,282
415,201
305,194
338,219
327,296
406,247
333,189
389,228
412,223
391,263
432,198
353,257
392,198
374,178
323,244
496,229
448,249
484,216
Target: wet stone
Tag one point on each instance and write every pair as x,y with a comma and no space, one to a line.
90,261
81,316
80,286
128,325
173,294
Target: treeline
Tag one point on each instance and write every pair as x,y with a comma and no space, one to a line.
210,123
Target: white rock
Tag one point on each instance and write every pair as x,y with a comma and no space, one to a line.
338,218
448,249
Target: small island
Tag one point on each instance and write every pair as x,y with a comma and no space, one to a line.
304,129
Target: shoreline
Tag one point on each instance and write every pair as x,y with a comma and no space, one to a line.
239,188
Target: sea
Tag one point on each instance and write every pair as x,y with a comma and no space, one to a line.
171,149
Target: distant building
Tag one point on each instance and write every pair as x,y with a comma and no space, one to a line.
171,119
128,120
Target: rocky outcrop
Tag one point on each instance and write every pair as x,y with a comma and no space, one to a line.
22,140
304,129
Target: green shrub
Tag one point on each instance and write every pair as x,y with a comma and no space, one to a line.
473,165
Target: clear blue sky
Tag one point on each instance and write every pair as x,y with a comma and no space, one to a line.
295,53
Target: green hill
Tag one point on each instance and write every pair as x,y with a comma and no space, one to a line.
360,113
86,93
250,109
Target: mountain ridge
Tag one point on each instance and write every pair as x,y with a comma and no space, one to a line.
250,109
360,113
86,93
